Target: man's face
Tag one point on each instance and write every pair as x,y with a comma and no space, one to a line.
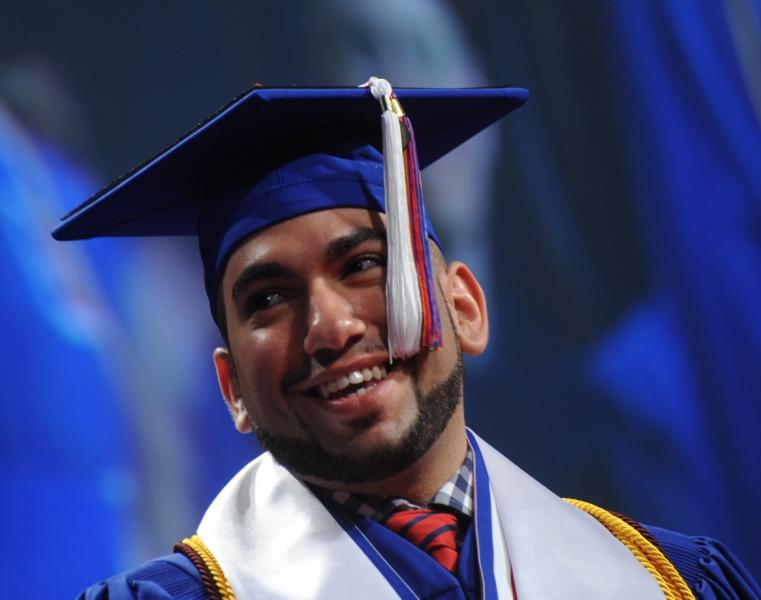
306,320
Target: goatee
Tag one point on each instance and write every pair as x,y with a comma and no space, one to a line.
307,457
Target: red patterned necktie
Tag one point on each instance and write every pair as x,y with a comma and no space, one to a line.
432,531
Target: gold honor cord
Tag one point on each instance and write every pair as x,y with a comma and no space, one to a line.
673,586
214,580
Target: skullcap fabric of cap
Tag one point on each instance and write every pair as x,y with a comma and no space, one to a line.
319,181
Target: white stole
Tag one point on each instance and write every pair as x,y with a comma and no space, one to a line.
274,539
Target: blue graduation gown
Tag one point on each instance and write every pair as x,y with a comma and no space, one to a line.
711,571
709,568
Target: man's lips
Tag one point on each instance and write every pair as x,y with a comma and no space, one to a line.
344,376
336,392
361,398
354,383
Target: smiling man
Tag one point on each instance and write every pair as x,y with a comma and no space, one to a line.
344,329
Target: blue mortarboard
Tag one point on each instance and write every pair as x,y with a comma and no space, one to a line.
272,154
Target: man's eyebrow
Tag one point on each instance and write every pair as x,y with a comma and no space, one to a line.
345,244
336,248
255,272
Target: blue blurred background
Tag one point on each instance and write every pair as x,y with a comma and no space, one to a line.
615,222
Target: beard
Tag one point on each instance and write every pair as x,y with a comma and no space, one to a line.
306,457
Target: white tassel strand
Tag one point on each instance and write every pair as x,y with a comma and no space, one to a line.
403,303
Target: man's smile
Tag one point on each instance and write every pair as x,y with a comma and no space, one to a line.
354,383
356,388
306,310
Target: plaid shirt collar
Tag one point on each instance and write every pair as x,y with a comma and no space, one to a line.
456,494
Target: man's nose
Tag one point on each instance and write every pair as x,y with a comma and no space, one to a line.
332,323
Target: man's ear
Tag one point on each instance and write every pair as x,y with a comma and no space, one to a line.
228,384
467,306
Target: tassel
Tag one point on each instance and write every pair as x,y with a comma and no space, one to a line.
412,312
431,325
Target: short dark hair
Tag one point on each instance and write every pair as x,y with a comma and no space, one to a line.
220,316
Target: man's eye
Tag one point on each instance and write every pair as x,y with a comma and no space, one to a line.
365,263
263,300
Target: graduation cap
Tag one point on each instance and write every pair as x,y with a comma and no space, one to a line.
273,154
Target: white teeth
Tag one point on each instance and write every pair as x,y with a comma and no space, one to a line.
353,378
